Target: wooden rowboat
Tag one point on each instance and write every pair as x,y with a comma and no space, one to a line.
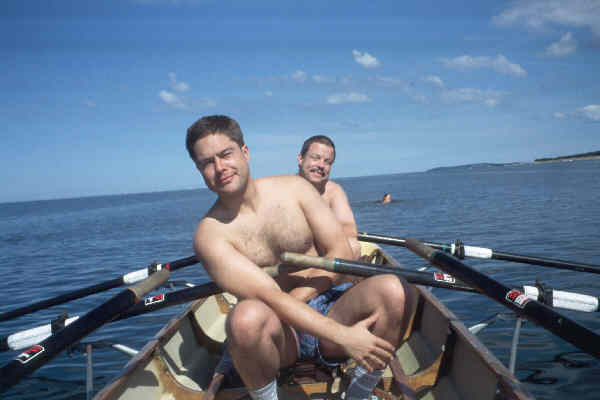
438,359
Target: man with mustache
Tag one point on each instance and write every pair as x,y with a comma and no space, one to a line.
252,222
314,164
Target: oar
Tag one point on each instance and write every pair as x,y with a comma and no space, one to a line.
22,339
435,279
29,337
545,294
461,250
36,356
126,279
533,310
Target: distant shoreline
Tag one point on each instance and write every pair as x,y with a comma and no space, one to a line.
583,156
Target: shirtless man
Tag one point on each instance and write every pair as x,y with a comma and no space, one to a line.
314,164
250,224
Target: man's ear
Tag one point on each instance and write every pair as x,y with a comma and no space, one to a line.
299,160
246,152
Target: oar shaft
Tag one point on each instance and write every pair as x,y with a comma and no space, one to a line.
533,310
546,262
170,299
127,279
64,298
357,268
36,356
482,252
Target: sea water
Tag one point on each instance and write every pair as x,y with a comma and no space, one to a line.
549,210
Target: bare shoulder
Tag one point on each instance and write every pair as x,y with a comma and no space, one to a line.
286,184
211,231
334,188
334,192
209,227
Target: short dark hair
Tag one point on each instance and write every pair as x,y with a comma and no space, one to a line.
211,125
317,139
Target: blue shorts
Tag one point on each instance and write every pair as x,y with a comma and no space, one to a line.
308,345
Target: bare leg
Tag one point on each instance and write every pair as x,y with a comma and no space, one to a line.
259,342
386,295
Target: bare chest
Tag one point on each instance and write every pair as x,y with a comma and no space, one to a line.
262,237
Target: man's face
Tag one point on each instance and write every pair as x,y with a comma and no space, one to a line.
223,164
315,166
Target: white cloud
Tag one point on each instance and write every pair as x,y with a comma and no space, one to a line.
499,64
322,79
541,14
352,97
490,98
365,59
565,46
559,115
591,112
176,85
89,103
268,93
171,99
434,79
299,76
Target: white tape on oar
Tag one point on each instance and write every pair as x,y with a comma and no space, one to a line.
30,337
478,252
139,275
566,300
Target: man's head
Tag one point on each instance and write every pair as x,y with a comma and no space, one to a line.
216,145
315,160
211,125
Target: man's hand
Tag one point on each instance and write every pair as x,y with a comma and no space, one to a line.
368,350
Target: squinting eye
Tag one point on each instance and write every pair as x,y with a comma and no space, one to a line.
205,163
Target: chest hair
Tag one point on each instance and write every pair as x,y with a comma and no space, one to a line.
263,237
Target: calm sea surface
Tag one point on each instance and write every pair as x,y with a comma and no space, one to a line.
551,210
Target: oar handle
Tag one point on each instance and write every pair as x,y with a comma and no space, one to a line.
306,261
420,249
140,289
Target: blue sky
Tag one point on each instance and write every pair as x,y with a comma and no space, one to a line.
97,95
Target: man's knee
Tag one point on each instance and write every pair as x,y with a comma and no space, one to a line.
392,292
246,321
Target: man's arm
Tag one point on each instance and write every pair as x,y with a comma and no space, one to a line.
340,206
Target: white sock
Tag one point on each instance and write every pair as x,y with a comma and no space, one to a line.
362,383
267,392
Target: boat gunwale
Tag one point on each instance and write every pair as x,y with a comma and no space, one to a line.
507,381
147,353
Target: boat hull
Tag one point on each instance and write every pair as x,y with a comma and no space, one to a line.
438,359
